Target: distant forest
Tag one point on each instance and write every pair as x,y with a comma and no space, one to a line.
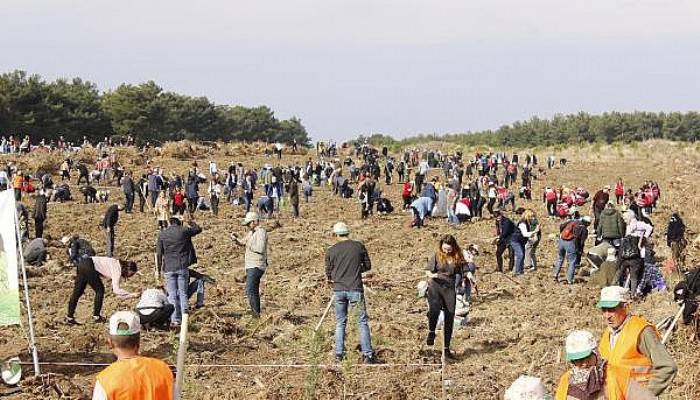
570,129
75,108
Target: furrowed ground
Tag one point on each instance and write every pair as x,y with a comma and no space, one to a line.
517,325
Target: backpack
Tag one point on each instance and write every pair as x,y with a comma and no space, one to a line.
568,232
562,210
629,248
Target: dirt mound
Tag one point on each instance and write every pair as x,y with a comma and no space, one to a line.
184,150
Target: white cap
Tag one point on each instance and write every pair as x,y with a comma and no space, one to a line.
250,217
586,219
341,229
579,345
65,240
124,317
612,296
526,388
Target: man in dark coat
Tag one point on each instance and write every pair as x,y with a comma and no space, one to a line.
675,239
504,231
109,222
175,253
129,189
155,185
39,214
293,190
82,169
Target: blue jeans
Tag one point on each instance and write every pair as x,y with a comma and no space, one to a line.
451,217
566,248
197,286
252,288
176,283
343,299
154,198
519,255
129,198
247,200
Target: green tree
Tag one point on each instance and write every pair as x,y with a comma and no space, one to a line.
135,109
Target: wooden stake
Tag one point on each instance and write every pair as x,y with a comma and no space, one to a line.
181,354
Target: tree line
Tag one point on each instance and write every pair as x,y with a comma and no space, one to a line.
570,129
75,108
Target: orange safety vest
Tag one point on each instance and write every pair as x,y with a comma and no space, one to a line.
140,378
17,181
563,388
625,362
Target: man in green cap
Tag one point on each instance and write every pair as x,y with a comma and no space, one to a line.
639,365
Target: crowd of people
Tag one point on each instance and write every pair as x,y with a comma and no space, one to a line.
628,362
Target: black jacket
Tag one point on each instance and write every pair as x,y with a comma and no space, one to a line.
174,248
111,217
83,169
676,229
345,263
505,228
580,236
40,208
80,249
128,185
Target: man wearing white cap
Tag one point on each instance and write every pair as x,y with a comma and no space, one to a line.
639,366
345,263
255,258
586,378
132,376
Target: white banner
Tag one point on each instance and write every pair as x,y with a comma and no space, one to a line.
9,287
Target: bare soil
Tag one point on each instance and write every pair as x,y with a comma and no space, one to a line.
517,325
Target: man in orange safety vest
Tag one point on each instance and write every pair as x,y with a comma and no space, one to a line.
639,366
131,376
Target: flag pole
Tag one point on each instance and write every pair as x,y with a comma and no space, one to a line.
32,341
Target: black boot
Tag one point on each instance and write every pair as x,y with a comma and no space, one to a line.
431,339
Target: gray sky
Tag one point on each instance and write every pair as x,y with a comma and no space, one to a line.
399,67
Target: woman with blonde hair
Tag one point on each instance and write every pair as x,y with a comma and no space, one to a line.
531,245
445,270
521,236
162,210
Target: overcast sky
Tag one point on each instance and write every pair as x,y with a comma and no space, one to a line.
398,67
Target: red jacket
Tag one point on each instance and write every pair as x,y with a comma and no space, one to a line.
600,199
619,189
407,189
179,199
